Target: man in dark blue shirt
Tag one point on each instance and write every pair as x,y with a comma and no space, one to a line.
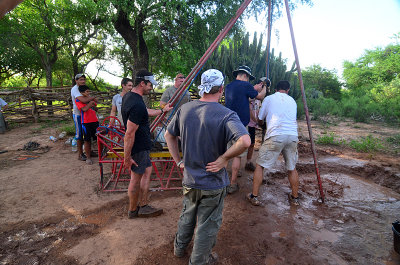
237,95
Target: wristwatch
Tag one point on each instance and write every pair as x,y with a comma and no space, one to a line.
179,163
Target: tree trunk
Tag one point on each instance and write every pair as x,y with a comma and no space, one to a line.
49,83
135,39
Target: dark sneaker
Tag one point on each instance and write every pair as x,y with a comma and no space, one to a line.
149,211
212,259
232,188
82,157
133,214
253,200
179,252
293,200
249,166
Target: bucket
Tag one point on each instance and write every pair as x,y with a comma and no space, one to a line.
396,236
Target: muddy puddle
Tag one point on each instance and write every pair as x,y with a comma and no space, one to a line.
353,226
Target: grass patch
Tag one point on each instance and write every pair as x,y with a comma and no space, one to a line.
394,139
329,139
366,144
69,129
48,124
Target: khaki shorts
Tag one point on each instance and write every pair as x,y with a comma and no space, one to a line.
273,146
230,143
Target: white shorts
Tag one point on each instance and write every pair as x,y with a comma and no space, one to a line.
273,146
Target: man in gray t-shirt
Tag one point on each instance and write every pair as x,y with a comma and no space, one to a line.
204,127
170,91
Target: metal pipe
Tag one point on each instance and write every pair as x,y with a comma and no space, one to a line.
304,101
196,69
269,36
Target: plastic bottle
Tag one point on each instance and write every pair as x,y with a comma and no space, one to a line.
62,135
74,145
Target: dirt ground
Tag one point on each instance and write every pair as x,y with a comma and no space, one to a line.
52,212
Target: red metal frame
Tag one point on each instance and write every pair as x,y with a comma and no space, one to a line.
166,175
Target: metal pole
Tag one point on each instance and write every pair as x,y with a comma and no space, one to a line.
269,36
321,192
201,62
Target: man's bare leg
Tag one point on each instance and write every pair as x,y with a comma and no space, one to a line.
257,179
250,151
294,182
144,186
235,169
79,144
133,190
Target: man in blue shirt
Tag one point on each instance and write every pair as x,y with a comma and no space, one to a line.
237,95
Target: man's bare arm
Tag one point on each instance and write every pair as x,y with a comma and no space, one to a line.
86,99
261,95
129,140
172,142
239,147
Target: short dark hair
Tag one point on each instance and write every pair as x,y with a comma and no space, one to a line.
214,90
125,81
140,76
83,88
283,85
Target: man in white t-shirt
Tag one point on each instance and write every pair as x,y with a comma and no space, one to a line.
127,85
80,80
280,111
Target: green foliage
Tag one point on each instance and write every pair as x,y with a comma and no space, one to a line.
366,144
330,139
316,78
394,139
320,107
238,50
69,129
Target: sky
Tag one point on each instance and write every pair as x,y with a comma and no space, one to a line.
328,33
332,31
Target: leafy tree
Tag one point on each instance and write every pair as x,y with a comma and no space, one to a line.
321,79
170,36
375,66
49,28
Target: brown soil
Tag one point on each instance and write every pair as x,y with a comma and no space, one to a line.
51,210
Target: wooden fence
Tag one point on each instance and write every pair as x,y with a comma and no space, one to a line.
30,104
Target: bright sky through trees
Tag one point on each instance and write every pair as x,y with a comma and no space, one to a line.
329,32
332,31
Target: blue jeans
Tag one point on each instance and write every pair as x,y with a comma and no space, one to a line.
203,207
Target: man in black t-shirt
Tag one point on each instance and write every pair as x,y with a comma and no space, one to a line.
137,144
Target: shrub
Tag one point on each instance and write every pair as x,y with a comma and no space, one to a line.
330,139
366,144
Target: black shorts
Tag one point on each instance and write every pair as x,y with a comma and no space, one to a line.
252,132
143,160
89,131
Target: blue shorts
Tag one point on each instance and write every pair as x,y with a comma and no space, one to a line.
78,127
143,160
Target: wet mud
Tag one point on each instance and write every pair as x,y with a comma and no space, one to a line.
352,226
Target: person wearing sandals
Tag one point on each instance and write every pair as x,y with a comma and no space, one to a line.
204,127
89,120
137,144
80,80
280,112
237,95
